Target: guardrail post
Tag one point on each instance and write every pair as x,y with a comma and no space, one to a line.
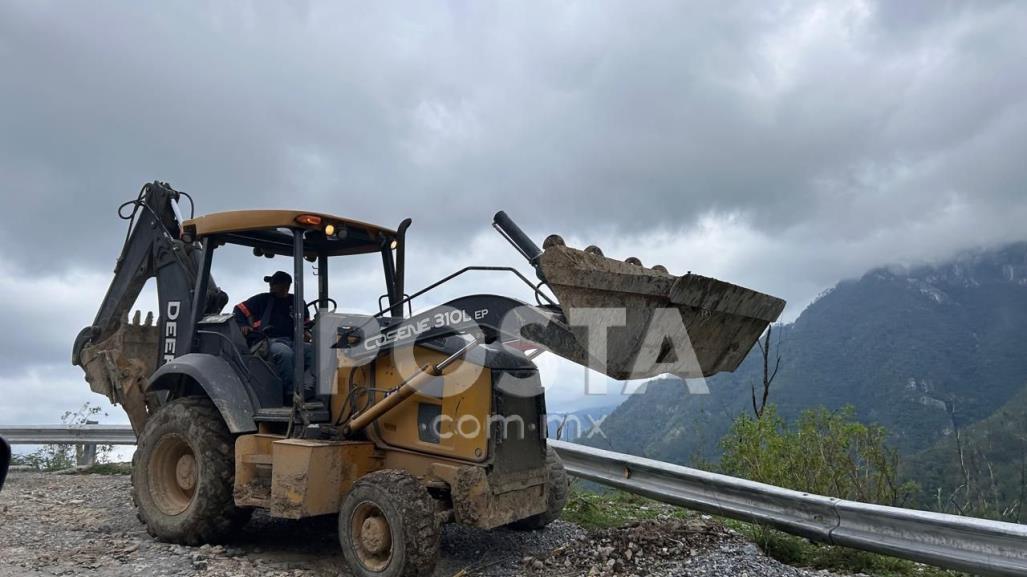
85,453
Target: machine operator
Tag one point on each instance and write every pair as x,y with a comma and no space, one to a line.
271,314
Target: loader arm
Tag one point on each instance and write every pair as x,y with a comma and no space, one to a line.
117,355
630,322
615,317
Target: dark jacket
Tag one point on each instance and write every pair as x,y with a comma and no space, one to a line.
275,323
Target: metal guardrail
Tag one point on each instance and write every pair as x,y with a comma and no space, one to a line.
70,434
977,546
84,437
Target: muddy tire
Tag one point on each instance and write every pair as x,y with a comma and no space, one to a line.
388,526
183,474
556,495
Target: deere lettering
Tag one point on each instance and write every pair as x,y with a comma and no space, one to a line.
171,330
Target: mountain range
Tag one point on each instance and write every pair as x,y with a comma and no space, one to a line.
924,351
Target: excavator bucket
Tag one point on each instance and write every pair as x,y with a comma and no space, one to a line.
118,366
654,322
632,322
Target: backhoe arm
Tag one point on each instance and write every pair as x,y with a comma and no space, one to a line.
117,356
150,233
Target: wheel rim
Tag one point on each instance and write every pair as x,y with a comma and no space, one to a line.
371,535
173,473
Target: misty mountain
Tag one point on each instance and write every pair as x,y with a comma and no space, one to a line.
982,470
582,424
902,345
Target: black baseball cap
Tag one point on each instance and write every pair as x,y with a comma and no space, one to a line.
280,277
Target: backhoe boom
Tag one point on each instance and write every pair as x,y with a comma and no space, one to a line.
118,356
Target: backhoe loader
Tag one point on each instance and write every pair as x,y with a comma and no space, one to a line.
406,420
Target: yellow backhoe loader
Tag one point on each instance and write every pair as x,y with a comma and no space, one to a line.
405,420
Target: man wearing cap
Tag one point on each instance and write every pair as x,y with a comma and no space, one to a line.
270,314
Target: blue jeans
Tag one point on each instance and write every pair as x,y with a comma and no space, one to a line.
283,357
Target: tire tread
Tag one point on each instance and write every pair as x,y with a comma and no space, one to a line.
217,517
421,530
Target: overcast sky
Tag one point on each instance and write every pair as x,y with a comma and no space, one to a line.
783,146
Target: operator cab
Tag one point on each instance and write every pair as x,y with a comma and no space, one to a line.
306,237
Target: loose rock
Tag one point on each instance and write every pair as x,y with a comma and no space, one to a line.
87,525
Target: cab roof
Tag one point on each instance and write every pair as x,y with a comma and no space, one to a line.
264,229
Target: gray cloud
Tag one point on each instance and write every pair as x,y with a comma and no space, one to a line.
782,145
581,117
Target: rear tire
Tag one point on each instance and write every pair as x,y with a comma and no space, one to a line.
556,495
183,474
388,527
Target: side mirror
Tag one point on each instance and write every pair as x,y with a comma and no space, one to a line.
5,460
349,336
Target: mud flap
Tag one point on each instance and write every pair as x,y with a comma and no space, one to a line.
490,501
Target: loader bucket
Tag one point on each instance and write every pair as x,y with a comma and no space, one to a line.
654,322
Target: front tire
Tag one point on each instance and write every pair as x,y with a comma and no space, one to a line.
388,527
183,474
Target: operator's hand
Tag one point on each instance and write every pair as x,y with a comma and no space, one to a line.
246,330
307,336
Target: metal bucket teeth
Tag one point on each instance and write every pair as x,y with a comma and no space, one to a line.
718,323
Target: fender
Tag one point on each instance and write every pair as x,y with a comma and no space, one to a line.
218,380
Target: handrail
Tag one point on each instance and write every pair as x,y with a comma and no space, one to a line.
535,288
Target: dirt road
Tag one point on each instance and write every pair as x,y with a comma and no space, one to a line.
86,525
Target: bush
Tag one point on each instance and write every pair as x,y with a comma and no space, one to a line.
825,452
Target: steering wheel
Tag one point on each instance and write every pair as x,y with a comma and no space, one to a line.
334,304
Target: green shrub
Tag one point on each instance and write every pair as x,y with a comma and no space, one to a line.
800,552
47,458
824,452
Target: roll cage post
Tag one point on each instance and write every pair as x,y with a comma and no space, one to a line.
322,278
202,282
298,310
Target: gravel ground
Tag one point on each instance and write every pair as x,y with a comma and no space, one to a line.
693,547
86,525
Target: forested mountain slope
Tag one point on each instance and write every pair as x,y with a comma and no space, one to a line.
899,344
